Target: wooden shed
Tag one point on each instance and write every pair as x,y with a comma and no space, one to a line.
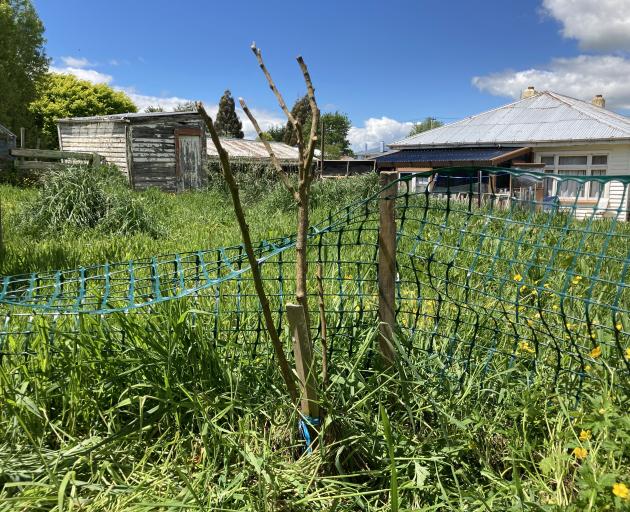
166,150
7,143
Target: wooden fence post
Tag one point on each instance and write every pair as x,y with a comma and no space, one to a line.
387,266
22,137
303,351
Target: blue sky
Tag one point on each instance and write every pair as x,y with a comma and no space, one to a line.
385,64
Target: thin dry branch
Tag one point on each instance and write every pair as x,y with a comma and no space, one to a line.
287,374
310,91
292,119
274,159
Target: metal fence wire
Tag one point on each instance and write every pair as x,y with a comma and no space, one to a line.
497,269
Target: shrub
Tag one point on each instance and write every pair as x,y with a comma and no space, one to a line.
77,198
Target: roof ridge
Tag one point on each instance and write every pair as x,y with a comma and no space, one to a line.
589,113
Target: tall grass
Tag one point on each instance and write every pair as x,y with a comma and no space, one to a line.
182,409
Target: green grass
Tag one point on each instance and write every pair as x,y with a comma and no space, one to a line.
184,410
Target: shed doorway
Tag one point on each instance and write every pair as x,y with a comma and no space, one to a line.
188,149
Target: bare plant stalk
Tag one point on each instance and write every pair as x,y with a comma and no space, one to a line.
287,374
305,174
322,323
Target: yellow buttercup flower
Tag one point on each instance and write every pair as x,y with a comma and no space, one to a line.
619,326
585,435
621,490
580,453
628,354
523,346
596,352
518,278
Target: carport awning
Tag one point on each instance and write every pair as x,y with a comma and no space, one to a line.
443,157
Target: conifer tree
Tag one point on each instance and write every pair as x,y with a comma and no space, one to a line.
228,124
302,112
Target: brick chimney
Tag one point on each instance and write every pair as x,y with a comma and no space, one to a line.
599,101
529,92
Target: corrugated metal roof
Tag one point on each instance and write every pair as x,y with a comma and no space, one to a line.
253,149
126,115
485,156
544,117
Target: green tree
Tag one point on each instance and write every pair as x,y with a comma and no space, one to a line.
61,95
428,124
336,128
302,112
275,133
23,62
228,124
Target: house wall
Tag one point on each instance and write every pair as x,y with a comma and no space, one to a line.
152,142
107,138
618,165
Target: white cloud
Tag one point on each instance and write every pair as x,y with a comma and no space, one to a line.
580,77
375,130
601,25
76,62
265,120
84,74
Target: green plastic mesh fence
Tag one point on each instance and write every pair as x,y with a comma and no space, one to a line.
497,270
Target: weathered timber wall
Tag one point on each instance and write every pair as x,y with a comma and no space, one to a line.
154,159
107,138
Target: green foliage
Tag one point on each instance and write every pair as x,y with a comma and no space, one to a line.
79,198
336,128
227,122
429,123
23,62
152,108
63,95
302,112
275,133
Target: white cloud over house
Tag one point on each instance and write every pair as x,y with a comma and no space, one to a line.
581,77
377,129
599,25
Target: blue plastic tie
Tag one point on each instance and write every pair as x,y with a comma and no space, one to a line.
305,422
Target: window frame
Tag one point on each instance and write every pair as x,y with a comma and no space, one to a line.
586,194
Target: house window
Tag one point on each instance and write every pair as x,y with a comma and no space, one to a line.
578,166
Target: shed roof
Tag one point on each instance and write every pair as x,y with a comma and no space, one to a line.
127,115
253,149
545,117
5,131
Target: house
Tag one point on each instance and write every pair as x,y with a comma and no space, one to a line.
544,130
158,149
7,142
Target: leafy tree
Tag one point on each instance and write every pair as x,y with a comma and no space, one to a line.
302,112
185,107
428,124
275,133
152,108
23,61
228,124
336,128
61,95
